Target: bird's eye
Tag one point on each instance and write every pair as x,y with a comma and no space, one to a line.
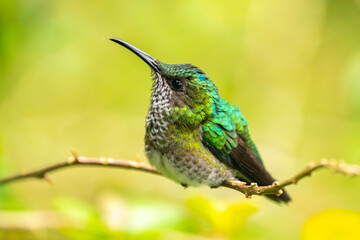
176,84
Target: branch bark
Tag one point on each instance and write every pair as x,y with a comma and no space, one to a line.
247,190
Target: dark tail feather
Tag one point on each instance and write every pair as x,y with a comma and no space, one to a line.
252,170
284,197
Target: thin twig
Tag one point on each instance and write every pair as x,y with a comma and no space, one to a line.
76,160
277,186
247,190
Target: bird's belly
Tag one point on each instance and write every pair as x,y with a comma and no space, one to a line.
190,169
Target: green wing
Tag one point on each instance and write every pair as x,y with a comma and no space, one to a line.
227,136
222,131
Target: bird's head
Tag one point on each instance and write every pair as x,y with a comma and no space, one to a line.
185,84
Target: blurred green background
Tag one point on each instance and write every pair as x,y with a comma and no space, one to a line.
293,67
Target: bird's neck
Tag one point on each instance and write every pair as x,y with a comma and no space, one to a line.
159,110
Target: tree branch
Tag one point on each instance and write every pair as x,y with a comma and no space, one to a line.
277,186
247,190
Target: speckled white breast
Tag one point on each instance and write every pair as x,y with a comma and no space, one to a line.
178,159
192,172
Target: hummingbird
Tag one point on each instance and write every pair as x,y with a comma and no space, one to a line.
193,136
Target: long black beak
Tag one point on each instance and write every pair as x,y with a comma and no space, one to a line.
144,56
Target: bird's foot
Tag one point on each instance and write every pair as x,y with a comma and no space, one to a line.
184,185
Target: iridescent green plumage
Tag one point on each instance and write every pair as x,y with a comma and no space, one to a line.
192,135
219,119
